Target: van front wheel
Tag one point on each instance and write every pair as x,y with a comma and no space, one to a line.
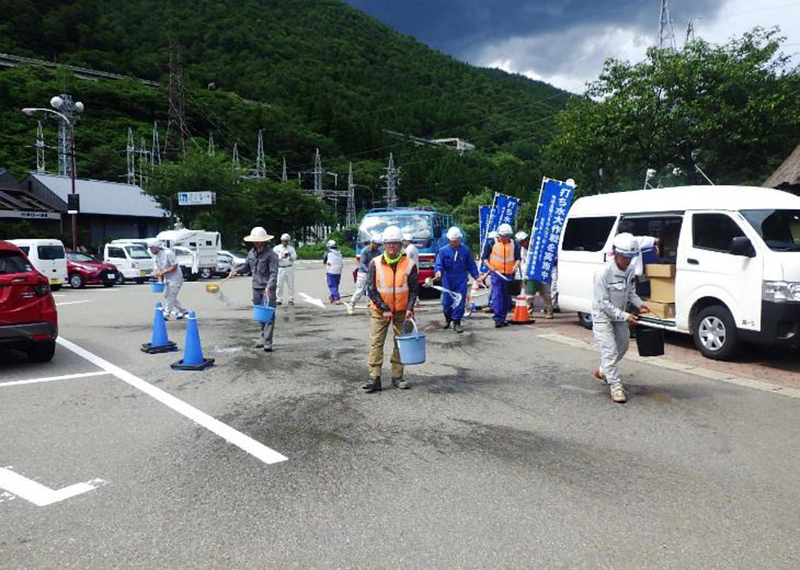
715,333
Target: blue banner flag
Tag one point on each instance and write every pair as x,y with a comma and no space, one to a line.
503,211
555,200
483,216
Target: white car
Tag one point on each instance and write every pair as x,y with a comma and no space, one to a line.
227,260
132,260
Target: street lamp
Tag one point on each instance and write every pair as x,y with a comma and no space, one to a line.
58,102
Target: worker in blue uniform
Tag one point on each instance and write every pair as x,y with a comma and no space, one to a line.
502,256
454,264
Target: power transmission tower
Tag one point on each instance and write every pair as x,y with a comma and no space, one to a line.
143,160
211,150
177,132
392,178
66,132
666,33
261,161
130,154
350,217
318,174
284,172
690,32
40,146
155,150
236,163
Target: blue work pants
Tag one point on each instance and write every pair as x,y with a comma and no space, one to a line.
501,297
453,312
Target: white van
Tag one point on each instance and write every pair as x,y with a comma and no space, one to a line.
48,257
132,260
204,244
734,251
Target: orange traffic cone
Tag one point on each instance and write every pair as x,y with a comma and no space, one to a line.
521,316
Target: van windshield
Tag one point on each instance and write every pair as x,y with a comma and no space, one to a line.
780,229
137,252
418,225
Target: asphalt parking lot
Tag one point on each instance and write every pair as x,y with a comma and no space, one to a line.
504,453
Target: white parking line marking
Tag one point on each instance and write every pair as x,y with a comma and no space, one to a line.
54,378
245,443
37,493
73,302
312,301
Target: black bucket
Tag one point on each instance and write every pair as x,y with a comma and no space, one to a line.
650,341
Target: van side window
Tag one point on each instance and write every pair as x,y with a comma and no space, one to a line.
587,234
116,252
714,232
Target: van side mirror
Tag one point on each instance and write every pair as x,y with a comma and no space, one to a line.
742,246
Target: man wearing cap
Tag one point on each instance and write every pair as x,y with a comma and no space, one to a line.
454,265
262,264
614,290
392,290
370,252
502,256
286,258
169,272
334,263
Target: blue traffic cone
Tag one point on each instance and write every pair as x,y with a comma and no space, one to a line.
193,352
159,342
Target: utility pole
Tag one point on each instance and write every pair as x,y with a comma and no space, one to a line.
40,146
350,217
666,33
177,132
284,172
130,154
155,150
392,178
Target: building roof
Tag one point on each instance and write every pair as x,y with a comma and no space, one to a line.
788,173
104,198
685,198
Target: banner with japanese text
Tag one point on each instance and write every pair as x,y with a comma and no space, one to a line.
555,200
503,211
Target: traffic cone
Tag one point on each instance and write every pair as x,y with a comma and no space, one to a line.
159,342
521,316
192,352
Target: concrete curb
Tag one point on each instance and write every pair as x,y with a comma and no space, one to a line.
661,362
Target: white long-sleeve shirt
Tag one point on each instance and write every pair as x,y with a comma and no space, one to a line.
613,290
286,255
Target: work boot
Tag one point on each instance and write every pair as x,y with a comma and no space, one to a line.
350,308
548,316
498,325
457,327
447,323
259,344
279,303
374,385
291,301
618,393
400,383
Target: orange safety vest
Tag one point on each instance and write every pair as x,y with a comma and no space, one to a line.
502,257
392,282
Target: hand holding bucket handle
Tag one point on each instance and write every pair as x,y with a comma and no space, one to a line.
414,329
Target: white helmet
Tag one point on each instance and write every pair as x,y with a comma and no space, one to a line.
286,237
376,238
626,245
158,244
521,236
331,244
407,237
492,235
505,230
258,234
392,234
454,233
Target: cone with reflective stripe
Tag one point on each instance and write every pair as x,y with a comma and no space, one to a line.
159,342
193,353
521,316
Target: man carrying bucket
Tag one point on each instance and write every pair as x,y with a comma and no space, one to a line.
454,265
169,272
262,264
502,256
614,289
392,290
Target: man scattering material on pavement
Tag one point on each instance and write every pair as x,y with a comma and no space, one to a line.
502,256
262,264
392,289
334,263
286,258
169,272
369,253
614,290
454,265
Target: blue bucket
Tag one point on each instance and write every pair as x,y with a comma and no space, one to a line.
411,346
263,313
157,286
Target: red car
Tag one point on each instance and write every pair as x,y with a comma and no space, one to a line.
28,318
83,270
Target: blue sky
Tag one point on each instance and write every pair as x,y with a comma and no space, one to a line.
565,42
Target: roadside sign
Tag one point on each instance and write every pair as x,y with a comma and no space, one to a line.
197,198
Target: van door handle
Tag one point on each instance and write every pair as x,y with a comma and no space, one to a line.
692,261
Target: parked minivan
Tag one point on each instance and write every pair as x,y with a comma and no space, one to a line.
132,260
48,257
735,252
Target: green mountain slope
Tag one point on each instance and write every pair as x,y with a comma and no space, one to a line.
313,73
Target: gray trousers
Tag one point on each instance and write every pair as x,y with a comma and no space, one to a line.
361,288
171,291
612,339
261,297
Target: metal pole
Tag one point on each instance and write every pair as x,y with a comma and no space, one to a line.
72,176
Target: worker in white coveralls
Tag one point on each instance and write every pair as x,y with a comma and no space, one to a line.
169,272
286,258
614,291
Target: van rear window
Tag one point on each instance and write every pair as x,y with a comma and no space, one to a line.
50,252
12,262
587,234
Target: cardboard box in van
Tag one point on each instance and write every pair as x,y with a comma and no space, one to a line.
662,289
665,270
661,310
